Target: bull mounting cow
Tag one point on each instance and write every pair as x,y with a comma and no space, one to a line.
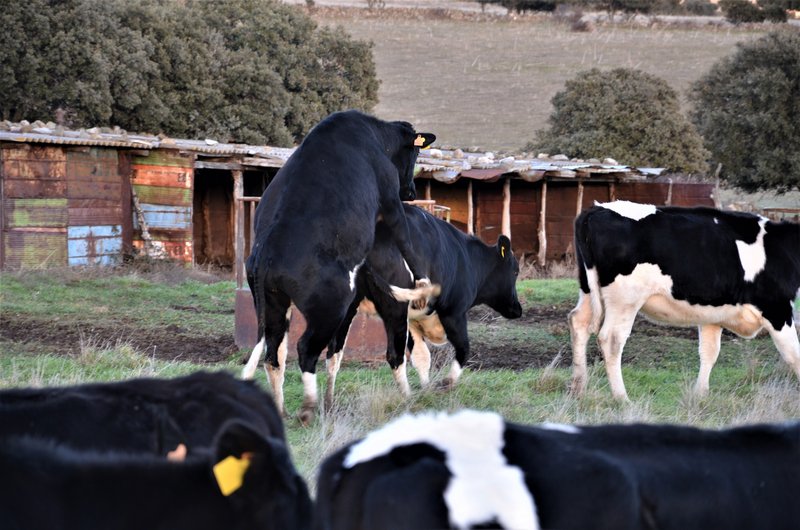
314,227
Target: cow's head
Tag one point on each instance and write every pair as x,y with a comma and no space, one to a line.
405,157
257,475
499,290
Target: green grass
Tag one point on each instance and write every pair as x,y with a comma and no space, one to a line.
548,292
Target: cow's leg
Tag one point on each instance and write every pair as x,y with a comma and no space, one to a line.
336,352
323,318
580,321
613,334
710,336
276,373
786,341
420,354
455,327
395,321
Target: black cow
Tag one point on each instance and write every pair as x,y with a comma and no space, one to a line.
473,469
49,486
143,415
315,225
468,271
682,266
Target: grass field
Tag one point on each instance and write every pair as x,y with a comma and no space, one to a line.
749,384
489,82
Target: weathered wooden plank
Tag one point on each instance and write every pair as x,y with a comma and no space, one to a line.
34,249
21,213
166,217
169,177
164,195
163,157
35,188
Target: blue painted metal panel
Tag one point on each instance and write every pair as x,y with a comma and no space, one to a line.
94,244
166,217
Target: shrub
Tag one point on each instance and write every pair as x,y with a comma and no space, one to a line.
702,8
626,114
747,108
254,71
741,11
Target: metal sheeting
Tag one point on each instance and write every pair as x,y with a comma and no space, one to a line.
94,245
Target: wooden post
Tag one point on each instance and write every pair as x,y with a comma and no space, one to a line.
579,205
542,257
668,202
470,210
505,227
612,192
238,227
428,190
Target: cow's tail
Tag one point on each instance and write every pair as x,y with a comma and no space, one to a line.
422,291
587,272
255,279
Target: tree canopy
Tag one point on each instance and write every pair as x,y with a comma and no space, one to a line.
626,114
747,107
253,71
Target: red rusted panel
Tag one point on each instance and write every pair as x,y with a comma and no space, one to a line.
82,214
35,189
366,340
86,189
36,172
177,250
168,177
93,165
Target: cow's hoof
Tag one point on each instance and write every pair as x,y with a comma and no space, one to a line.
445,385
419,305
576,388
306,416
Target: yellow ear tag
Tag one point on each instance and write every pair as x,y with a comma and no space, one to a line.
419,141
502,252
230,473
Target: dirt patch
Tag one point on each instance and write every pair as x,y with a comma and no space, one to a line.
170,343
173,343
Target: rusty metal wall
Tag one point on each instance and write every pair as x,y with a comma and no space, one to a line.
163,182
34,206
61,206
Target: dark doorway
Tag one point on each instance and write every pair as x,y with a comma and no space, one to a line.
212,218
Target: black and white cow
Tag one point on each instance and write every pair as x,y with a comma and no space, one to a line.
315,225
682,266
149,415
468,271
472,469
243,480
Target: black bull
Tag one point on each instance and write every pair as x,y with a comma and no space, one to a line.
315,225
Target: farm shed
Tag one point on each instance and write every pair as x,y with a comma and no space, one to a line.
535,201
94,196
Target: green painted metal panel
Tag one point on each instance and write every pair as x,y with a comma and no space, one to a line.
35,249
35,213
164,195
165,158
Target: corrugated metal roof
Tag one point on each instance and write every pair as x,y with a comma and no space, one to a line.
440,164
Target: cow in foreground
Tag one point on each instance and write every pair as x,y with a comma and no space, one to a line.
472,469
468,271
146,415
686,267
314,227
244,480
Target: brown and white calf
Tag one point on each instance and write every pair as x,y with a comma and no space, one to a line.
687,267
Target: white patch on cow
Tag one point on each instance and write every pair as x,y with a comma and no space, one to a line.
252,363
483,486
594,297
560,427
309,386
631,210
716,221
455,372
753,256
353,274
787,343
401,378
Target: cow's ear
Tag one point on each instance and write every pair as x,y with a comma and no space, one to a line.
424,140
504,247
